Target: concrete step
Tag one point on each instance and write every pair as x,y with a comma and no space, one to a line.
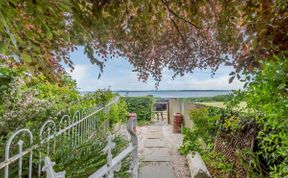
154,143
156,155
156,171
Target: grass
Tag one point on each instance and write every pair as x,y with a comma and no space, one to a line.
242,105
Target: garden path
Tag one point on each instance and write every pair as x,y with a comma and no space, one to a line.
158,149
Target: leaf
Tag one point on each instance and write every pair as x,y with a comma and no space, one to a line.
3,47
26,57
232,73
231,79
48,32
254,43
12,38
282,86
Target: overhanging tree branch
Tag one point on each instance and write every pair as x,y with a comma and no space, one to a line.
176,15
179,32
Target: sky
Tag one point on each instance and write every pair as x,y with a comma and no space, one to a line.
118,75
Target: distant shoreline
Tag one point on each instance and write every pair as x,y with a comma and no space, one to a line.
165,91
171,93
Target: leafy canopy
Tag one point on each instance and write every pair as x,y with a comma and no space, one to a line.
178,34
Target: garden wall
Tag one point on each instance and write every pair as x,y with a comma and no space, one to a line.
184,107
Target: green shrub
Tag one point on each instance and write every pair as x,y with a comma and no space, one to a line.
218,165
140,105
209,122
201,137
27,102
118,113
267,100
219,98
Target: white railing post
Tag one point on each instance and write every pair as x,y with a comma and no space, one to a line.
114,164
20,148
108,150
48,168
131,127
8,160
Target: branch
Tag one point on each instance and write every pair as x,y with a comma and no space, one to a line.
178,30
176,15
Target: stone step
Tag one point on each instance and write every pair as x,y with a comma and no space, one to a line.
154,143
153,135
154,129
156,155
156,171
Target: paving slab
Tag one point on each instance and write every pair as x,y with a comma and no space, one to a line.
156,171
154,135
153,143
154,129
156,155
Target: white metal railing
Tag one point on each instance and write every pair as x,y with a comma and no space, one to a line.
113,164
77,129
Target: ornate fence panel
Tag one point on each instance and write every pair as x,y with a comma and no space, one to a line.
75,130
113,164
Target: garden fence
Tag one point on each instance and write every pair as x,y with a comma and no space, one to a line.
77,129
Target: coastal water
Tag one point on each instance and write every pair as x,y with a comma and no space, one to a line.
174,93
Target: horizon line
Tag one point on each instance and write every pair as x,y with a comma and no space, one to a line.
159,90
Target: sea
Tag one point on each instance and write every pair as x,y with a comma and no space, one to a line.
173,93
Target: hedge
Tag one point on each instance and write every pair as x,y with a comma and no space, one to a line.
140,105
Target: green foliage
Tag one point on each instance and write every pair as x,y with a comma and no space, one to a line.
219,98
30,32
210,122
251,162
118,113
142,106
28,101
201,137
88,157
218,165
267,100
42,34
268,95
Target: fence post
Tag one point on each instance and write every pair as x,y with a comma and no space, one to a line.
108,149
48,168
131,127
20,148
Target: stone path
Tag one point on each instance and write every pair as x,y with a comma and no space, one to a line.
158,156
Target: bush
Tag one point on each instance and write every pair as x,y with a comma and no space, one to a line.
140,105
212,123
27,102
267,100
264,117
118,113
201,137
219,98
